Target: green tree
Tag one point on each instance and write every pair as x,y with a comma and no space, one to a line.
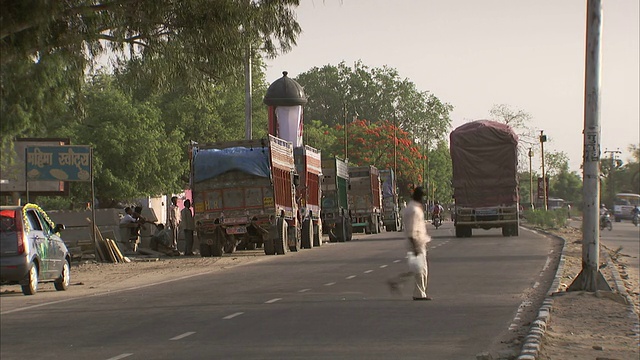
46,47
567,185
132,156
339,94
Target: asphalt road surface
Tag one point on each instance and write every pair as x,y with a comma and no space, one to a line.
330,302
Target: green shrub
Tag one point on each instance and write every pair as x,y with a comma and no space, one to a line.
549,219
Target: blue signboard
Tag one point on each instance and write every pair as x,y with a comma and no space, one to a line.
58,163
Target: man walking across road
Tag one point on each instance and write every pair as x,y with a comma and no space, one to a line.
415,229
188,226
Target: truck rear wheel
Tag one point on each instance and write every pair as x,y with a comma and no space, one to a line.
269,248
218,242
342,234
293,233
281,241
205,250
317,236
307,234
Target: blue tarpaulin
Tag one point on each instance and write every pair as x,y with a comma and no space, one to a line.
209,163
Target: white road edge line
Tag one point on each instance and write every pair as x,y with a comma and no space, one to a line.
121,356
232,315
182,336
272,300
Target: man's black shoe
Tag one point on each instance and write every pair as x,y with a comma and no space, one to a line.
422,298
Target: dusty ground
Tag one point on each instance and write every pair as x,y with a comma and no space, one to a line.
582,325
592,325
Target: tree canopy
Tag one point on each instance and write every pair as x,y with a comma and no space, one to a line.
47,46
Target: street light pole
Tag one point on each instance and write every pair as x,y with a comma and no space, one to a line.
543,139
530,179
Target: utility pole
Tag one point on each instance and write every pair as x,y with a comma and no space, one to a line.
590,278
530,179
247,94
543,139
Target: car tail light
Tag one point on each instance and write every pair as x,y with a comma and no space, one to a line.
19,236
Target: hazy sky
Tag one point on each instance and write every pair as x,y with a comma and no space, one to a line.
473,54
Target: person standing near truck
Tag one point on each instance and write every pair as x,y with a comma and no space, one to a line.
174,221
415,229
188,226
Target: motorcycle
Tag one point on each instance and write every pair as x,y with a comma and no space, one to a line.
605,222
437,221
636,217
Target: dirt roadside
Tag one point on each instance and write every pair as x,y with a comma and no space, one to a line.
601,325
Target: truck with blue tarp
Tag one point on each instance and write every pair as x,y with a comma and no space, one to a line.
336,222
365,199
484,155
391,217
244,196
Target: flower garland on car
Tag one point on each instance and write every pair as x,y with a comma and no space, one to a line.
40,210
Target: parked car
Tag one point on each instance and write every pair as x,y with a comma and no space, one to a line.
31,250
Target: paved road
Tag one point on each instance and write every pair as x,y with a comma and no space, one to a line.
325,303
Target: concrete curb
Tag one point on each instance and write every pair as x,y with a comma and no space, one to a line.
533,341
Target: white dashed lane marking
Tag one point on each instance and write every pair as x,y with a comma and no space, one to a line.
232,315
329,284
272,300
396,261
383,266
304,290
182,336
121,356
350,277
368,271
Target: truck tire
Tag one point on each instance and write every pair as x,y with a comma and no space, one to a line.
348,230
269,247
292,232
506,230
205,250
317,236
333,235
459,232
516,230
218,243
281,241
342,232
307,234
468,231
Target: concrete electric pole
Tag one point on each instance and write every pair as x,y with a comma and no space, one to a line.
590,278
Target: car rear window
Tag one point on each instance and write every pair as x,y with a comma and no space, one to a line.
8,220
8,235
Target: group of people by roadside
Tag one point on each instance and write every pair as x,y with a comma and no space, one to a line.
165,238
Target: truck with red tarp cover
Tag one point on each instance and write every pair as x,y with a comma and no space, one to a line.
244,195
484,155
308,162
365,199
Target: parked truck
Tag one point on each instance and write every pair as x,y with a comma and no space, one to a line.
484,154
244,196
309,167
336,222
391,217
365,199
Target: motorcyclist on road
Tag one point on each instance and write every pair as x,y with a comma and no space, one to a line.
603,210
436,211
636,215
